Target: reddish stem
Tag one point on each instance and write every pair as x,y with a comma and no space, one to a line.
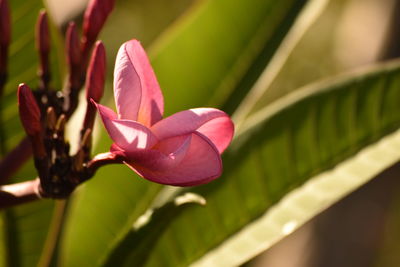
15,159
104,159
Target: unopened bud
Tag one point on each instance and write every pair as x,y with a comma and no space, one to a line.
29,111
96,73
42,33
5,38
72,45
43,46
95,16
5,23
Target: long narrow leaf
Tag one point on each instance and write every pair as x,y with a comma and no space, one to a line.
296,138
219,49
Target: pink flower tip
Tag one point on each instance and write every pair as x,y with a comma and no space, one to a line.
94,18
183,149
29,111
96,73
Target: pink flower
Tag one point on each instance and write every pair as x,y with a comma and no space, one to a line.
183,149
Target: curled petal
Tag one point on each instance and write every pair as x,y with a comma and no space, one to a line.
105,111
128,135
127,89
137,93
213,123
196,161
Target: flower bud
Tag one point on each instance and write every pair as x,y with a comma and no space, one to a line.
5,38
95,16
96,73
43,46
29,111
42,33
5,23
72,45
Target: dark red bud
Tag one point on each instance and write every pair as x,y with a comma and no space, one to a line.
29,111
96,73
5,38
72,45
43,46
5,23
95,16
42,33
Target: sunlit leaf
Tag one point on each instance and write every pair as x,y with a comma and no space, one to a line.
219,49
283,146
144,233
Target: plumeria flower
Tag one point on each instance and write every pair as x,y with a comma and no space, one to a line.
183,149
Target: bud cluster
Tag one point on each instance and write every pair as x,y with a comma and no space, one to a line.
45,111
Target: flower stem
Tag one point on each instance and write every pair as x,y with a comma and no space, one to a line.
51,246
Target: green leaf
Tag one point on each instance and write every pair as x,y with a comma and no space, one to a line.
194,67
219,49
144,233
299,136
25,231
101,212
307,19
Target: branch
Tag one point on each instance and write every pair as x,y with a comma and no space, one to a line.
15,159
16,194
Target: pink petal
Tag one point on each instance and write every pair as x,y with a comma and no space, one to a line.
128,135
165,155
137,93
105,111
196,161
213,123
